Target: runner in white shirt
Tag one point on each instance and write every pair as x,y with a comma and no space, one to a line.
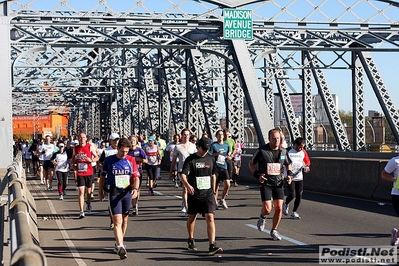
184,149
60,162
295,189
46,151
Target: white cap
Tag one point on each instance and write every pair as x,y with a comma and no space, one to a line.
114,136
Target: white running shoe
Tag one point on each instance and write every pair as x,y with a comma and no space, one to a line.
285,209
394,237
223,203
261,223
275,235
295,215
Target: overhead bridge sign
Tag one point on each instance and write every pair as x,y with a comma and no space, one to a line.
237,24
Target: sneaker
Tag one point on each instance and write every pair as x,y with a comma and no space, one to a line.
151,192
81,215
285,209
61,197
134,211
394,237
261,223
137,209
295,215
122,253
275,235
89,208
159,177
214,249
91,196
64,193
191,244
235,184
155,184
223,203
111,226
183,208
176,185
42,182
115,248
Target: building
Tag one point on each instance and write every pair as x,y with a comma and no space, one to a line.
38,126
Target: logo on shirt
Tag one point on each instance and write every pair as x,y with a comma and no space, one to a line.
200,165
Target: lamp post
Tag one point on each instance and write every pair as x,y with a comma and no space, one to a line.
325,131
372,131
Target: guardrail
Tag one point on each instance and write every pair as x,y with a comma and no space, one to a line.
24,235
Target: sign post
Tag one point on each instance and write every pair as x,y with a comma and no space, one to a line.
237,24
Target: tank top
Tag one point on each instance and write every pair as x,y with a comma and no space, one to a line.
83,167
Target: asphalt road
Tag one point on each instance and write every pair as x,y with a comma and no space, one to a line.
158,235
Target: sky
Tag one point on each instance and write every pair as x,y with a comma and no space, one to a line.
339,81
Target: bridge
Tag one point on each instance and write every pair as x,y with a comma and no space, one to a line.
162,66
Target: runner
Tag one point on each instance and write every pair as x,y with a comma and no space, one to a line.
122,185
199,178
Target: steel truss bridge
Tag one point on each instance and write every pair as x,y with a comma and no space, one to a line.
163,65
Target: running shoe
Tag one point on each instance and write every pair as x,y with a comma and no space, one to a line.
275,235
394,237
88,207
191,244
115,248
261,223
295,215
122,253
214,249
176,185
223,203
81,215
91,196
61,197
183,208
134,211
64,193
151,192
155,184
285,209
111,226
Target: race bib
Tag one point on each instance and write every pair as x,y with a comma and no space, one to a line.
122,181
82,167
203,182
273,169
221,159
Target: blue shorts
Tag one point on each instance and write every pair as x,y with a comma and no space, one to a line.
120,203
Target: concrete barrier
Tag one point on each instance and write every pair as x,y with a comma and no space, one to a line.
341,173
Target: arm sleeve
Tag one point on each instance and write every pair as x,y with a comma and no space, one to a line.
306,159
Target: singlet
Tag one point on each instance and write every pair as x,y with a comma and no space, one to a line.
83,167
152,155
297,164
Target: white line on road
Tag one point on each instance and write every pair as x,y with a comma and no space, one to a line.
283,237
65,235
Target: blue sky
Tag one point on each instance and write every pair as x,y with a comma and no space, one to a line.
339,81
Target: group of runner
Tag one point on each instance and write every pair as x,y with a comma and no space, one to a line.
199,166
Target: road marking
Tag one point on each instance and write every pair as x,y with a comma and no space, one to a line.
65,235
299,243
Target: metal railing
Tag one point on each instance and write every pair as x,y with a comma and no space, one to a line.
24,235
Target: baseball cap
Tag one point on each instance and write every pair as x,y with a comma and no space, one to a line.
151,138
61,145
114,136
204,143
